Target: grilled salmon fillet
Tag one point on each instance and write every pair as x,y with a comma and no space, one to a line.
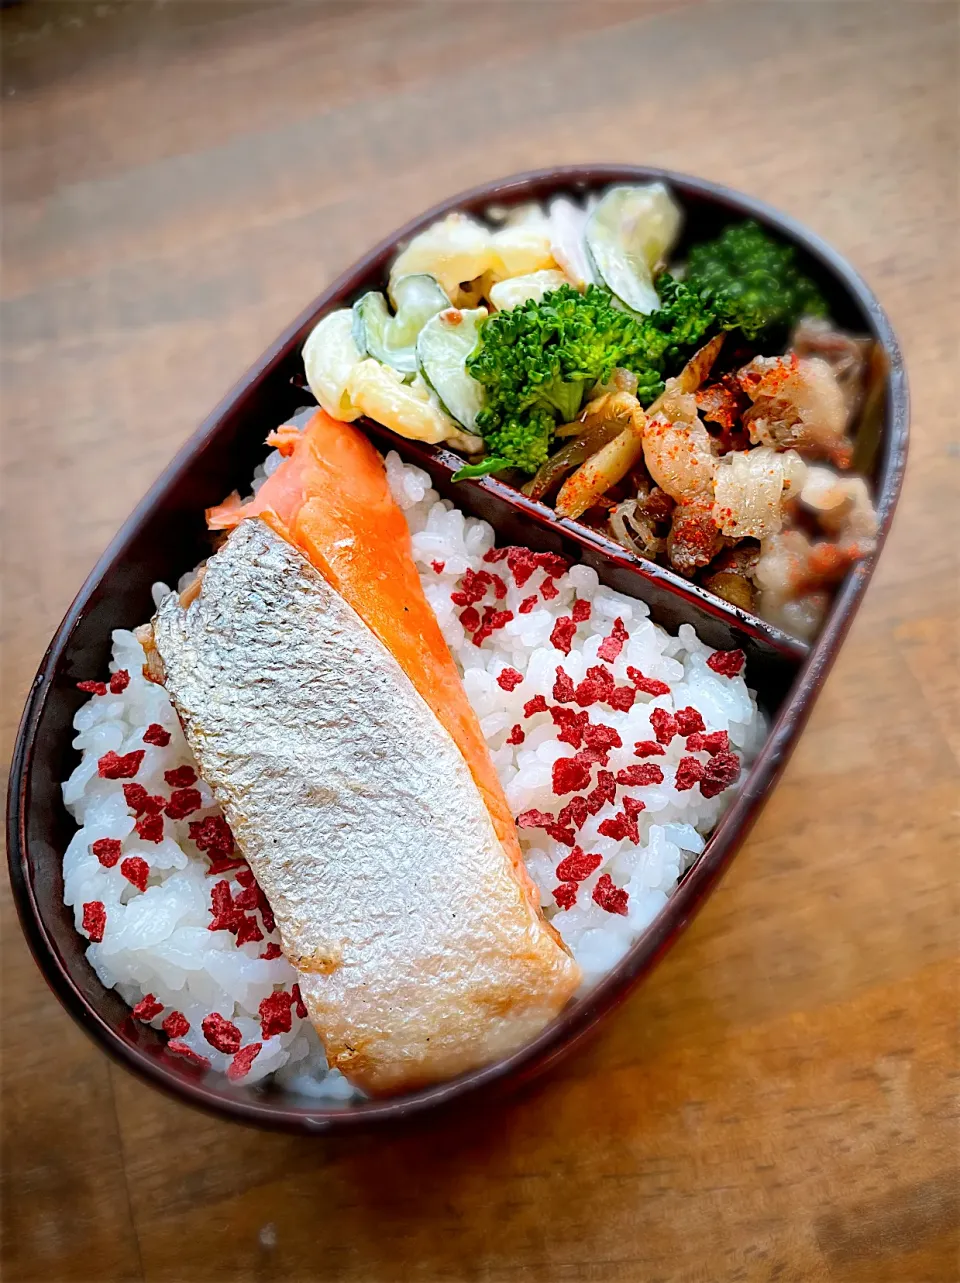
330,498
420,951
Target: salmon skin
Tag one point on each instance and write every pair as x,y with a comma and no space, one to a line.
420,954
330,498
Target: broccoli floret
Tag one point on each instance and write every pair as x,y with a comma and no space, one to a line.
523,441
681,323
539,360
751,282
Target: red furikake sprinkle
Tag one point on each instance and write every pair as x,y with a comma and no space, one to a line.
181,777
266,913
516,735
562,635
664,725
272,950
150,828
578,865
92,688
572,725
527,605
573,816
522,563
622,698
248,897
298,1004
213,836
719,773
147,1008
563,690
726,662
140,801
536,705
649,685
581,610
94,920
438,566
648,748
119,681
275,1017
552,564
226,916
596,687
114,767
622,825
491,622
689,721
220,1033
549,590
107,851
566,837
565,895
176,1025
633,806
495,555
689,772
508,679
543,820
534,819
246,879
181,1049
470,618
611,646
605,791
600,736
645,773
474,585
248,931
499,587
612,898
136,871
569,775
574,813
715,742
183,802
155,734
223,864
239,1067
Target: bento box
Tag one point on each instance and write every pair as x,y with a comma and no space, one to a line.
521,542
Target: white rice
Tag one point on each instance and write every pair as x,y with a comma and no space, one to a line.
157,941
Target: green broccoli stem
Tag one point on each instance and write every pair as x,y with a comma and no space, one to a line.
482,469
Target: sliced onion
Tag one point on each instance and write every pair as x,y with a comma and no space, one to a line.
571,456
627,512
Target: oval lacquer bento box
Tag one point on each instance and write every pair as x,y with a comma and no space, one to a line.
166,535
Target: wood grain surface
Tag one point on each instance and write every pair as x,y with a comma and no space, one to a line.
779,1101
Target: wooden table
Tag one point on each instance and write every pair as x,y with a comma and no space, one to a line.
778,1102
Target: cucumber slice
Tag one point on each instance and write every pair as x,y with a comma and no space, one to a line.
417,295
370,319
444,344
392,339
629,233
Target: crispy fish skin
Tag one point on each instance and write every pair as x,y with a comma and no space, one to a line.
420,954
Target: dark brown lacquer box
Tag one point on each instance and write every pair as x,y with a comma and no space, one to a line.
166,535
